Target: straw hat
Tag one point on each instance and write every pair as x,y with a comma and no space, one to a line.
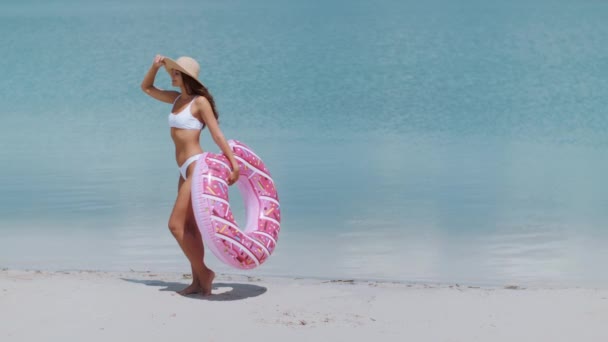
186,65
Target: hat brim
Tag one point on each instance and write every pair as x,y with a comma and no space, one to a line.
172,65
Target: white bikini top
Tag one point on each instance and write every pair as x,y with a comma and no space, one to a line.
184,119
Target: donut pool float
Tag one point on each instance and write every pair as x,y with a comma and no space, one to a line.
251,246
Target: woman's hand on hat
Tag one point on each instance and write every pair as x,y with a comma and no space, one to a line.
159,60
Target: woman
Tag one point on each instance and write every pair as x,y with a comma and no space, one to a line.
193,109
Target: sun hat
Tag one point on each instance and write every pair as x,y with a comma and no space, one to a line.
184,64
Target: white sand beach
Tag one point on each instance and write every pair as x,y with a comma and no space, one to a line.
143,306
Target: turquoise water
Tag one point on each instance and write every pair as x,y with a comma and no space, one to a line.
435,142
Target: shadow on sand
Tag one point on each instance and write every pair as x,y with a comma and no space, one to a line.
221,291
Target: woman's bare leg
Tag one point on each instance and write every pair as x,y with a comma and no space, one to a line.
206,281
187,240
195,286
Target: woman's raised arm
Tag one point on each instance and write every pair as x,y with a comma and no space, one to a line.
147,85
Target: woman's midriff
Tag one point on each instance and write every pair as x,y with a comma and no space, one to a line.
187,144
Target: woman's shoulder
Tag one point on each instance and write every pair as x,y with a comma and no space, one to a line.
200,99
202,102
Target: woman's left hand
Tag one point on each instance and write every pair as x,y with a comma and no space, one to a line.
234,176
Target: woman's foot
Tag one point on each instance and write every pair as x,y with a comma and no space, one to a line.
193,288
207,282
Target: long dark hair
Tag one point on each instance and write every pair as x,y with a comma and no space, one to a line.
194,87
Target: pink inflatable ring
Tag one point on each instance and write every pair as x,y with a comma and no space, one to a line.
241,249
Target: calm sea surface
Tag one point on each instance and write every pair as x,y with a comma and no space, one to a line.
436,142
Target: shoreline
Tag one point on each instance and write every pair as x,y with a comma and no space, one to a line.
351,280
101,306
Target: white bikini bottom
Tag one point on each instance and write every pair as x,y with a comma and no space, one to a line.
184,168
